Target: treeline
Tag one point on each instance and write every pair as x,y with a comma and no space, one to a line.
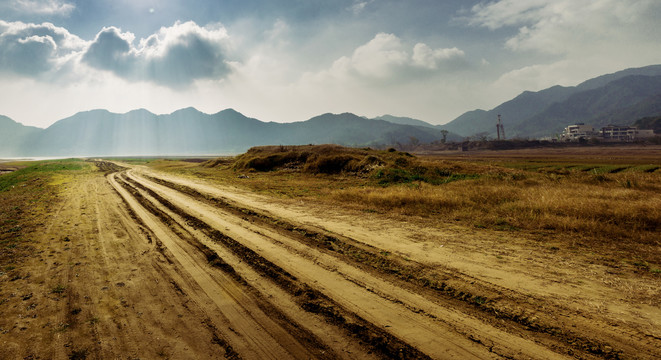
486,144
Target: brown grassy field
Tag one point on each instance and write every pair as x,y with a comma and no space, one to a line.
26,197
330,252
595,197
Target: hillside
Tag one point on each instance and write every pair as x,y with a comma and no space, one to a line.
352,130
450,136
404,121
650,106
600,81
12,136
191,132
595,106
514,112
620,98
653,123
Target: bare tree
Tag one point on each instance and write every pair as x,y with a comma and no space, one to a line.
414,142
444,133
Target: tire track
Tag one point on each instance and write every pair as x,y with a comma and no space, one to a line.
255,335
414,323
307,298
472,295
217,258
134,276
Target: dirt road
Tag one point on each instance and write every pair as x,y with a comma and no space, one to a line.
162,266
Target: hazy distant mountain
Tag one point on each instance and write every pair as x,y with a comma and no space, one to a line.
415,122
404,121
595,106
191,132
350,129
651,123
619,98
13,135
599,81
513,112
648,107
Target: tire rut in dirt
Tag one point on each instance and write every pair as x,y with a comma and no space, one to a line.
307,298
108,167
418,276
309,340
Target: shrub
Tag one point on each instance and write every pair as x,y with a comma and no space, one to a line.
330,164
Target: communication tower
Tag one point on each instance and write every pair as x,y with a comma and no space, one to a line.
500,129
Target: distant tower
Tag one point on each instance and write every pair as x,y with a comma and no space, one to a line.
500,128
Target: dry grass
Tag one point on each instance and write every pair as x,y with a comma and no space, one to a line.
589,199
26,196
534,202
315,159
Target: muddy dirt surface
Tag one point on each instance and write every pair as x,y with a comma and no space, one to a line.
4,169
136,263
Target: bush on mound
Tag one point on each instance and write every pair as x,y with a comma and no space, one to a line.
323,159
386,167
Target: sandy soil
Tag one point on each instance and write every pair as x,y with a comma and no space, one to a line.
143,264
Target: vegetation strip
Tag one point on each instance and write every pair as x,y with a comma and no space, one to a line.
308,299
108,167
408,273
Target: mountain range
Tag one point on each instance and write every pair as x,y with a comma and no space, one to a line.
191,132
619,98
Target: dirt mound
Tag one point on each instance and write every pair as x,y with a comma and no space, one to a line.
384,167
322,159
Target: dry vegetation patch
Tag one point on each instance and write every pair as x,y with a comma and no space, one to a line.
609,200
383,166
326,159
25,196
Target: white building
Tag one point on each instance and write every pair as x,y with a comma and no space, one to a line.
578,131
607,133
624,133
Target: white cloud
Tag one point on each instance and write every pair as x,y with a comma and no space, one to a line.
384,75
428,58
569,41
40,104
565,26
536,77
280,69
35,49
279,30
174,56
386,57
379,58
111,50
358,6
43,7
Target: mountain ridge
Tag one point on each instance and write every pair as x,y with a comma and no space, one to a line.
621,98
545,112
189,131
592,106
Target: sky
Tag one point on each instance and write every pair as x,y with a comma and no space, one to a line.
290,60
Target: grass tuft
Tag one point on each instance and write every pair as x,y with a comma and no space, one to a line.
608,202
58,289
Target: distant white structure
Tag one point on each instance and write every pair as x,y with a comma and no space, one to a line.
624,133
607,133
578,131
644,134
